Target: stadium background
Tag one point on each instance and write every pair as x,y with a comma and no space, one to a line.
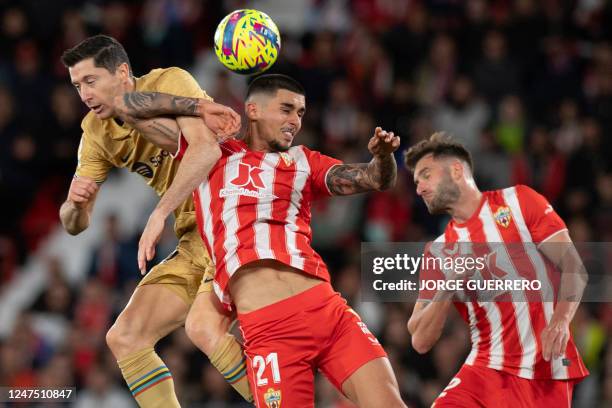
526,84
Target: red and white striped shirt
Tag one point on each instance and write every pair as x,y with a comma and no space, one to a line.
507,335
256,205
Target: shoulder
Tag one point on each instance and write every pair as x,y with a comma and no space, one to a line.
519,189
158,73
172,80
517,194
159,76
304,156
303,151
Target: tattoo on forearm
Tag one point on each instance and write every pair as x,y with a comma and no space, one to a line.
346,179
164,130
384,172
184,106
150,104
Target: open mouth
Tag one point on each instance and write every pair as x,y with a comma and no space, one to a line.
288,134
96,108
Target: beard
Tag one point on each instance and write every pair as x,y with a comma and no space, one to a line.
277,147
446,194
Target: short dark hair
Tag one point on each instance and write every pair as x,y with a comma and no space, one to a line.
106,53
439,144
271,83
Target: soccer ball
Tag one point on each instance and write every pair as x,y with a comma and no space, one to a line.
247,41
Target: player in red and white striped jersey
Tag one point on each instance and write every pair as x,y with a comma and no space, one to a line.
522,352
253,212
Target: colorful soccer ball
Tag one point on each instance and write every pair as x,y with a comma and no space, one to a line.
247,41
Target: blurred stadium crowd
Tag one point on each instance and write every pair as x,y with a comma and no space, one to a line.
525,84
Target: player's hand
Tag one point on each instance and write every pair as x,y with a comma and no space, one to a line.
383,142
149,239
554,338
221,119
82,191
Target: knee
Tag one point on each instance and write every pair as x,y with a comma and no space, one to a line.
124,339
206,330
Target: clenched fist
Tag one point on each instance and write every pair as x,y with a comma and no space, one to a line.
82,190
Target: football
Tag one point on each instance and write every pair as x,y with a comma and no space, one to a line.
247,41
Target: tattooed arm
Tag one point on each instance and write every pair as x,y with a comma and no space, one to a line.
134,106
145,105
379,174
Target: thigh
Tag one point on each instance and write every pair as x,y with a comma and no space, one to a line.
276,376
209,319
280,355
178,274
373,385
152,312
351,345
536,393
474,387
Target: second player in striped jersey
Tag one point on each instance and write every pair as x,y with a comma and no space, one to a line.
521,351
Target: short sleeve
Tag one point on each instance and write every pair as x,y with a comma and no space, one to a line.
177,81
90,162
541,219
320,165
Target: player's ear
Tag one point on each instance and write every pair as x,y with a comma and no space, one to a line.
457,170
251,109
124,71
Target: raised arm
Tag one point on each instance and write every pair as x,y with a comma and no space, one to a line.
223,121
379,174
201,154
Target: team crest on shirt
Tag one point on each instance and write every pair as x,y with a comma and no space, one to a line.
286,158
273,398
503,216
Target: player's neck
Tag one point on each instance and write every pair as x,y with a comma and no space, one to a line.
467,204
253,141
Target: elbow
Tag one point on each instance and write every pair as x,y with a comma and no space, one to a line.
386,185
71,226
420,344
74,230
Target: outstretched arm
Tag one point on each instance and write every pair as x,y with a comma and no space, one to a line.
379,174
222,120
201,155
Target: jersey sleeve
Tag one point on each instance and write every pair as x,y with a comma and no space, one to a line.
181,149
541,219
320,165
177,81
91,163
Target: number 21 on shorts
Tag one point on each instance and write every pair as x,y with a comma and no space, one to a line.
260,363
